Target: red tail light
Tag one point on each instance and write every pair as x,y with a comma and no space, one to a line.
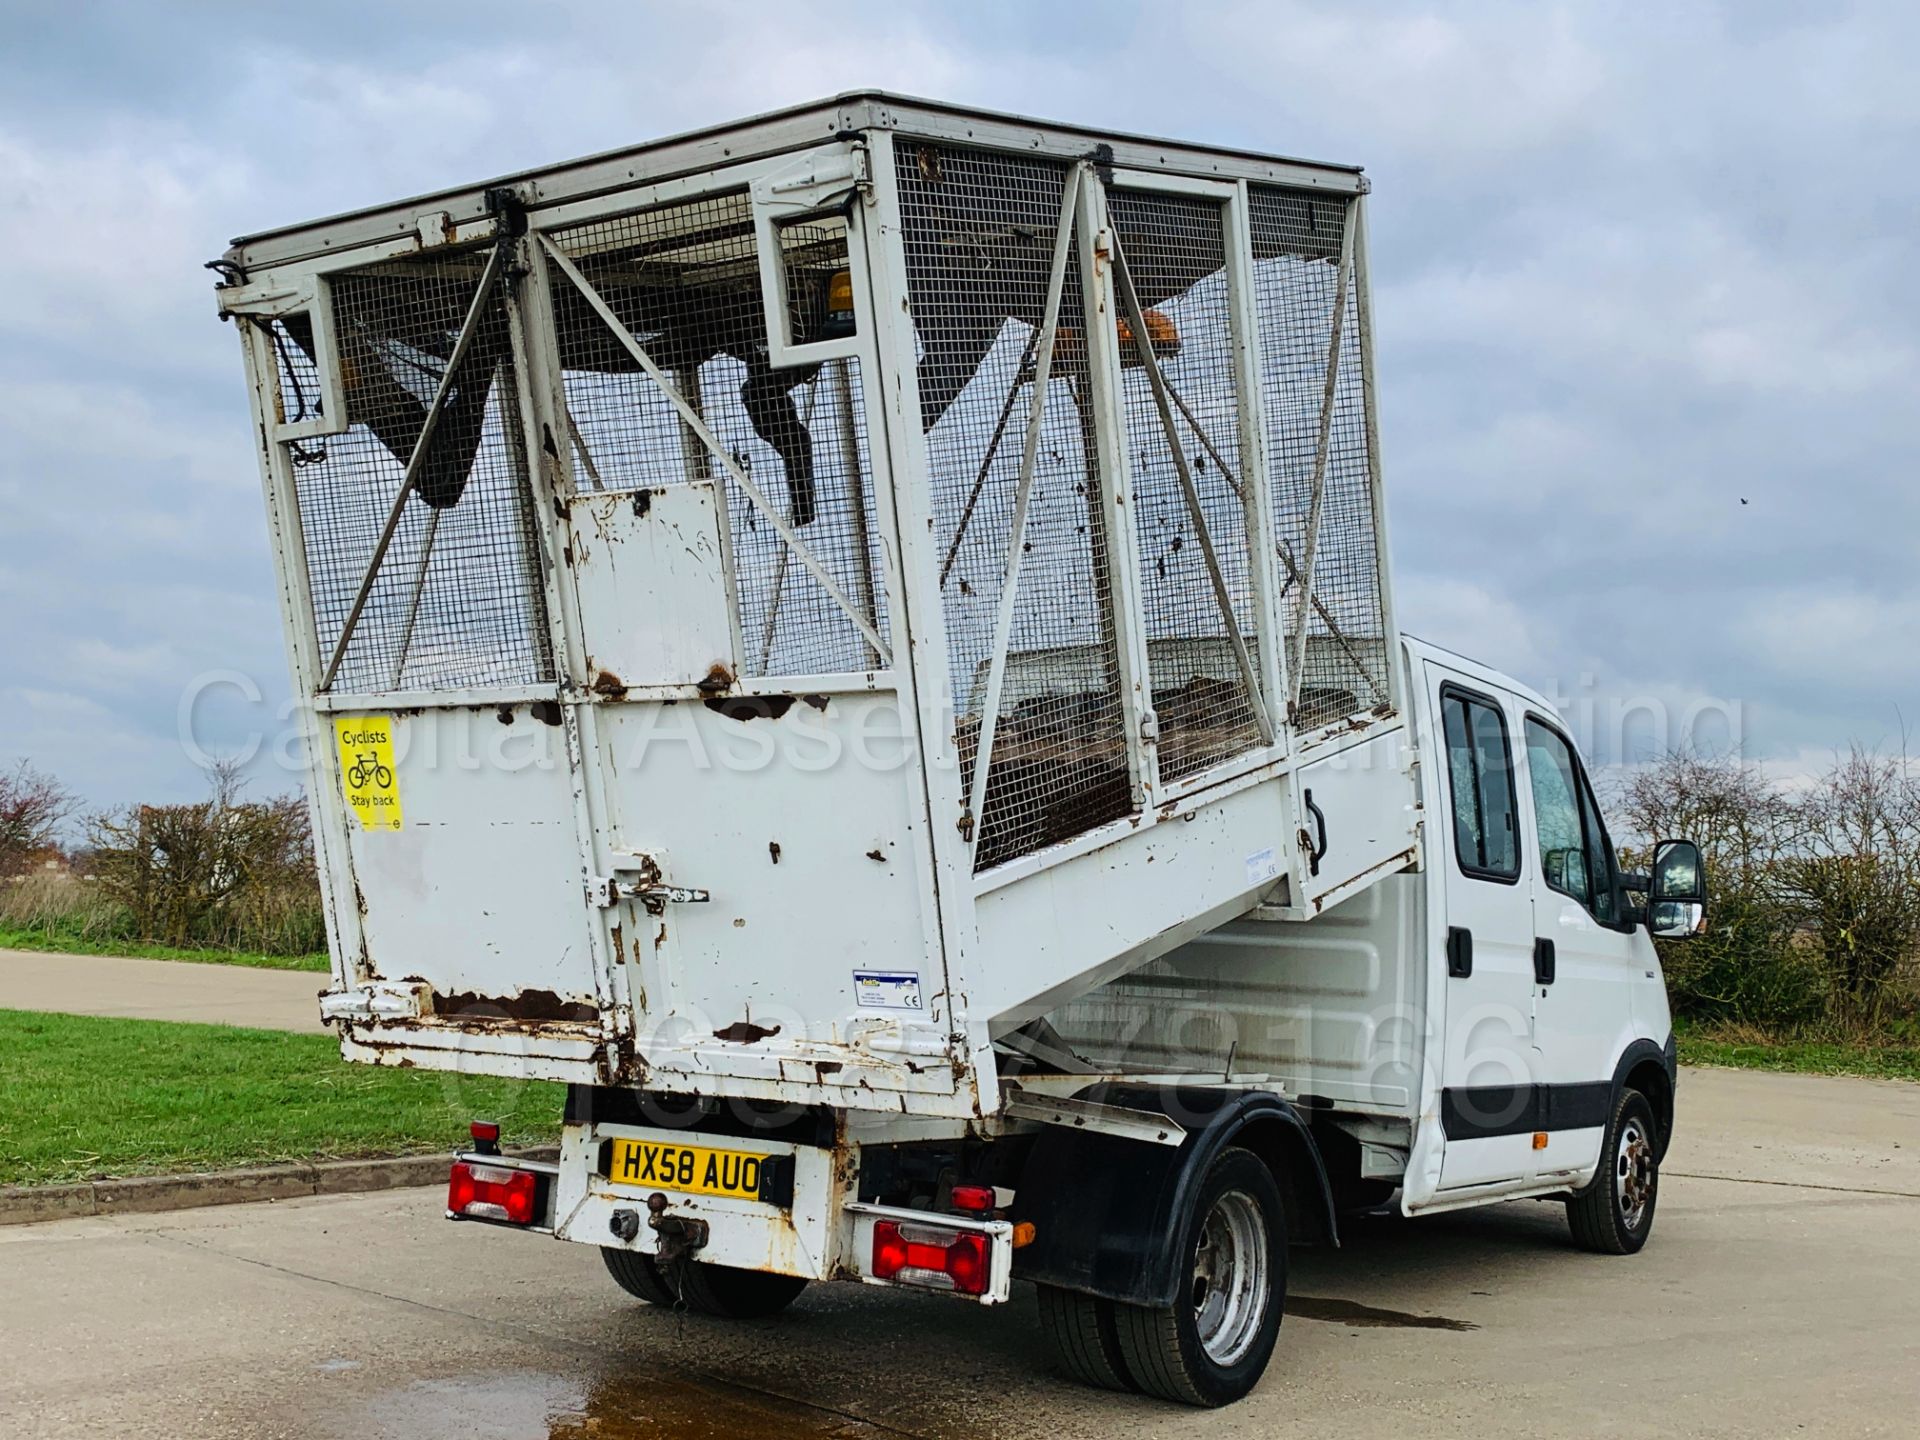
975,1198
491,1192
942,1259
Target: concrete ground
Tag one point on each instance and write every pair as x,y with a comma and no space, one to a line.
161,990
1780,1295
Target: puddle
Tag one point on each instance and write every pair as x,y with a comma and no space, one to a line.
528,1406
1350,1312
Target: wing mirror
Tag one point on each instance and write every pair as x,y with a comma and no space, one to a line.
1677,891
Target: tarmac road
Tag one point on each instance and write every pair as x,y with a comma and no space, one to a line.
135,989
1780,1296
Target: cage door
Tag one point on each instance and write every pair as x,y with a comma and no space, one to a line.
667,379
1184,382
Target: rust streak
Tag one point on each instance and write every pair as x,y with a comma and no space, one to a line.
527,1005
745,1032
750,707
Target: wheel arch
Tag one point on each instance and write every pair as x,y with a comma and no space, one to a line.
1650,1069
1102,1205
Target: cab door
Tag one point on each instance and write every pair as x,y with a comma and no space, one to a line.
1584,967
1488,1061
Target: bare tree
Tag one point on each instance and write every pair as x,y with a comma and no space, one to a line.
204,872
1855,878
1749,966
33,806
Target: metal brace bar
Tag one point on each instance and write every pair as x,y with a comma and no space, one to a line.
1147,1125
1305,574
1143,345
699,427
1326,616
1286,557
986,461
413,601
1010,586
586,455
469,327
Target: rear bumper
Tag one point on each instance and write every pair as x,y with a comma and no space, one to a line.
819,1230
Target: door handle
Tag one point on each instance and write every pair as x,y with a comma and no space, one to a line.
1315,852
1459,952
1542,960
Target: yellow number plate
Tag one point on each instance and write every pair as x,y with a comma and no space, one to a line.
690,1169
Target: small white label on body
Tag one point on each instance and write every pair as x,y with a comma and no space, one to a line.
886,989
1262,866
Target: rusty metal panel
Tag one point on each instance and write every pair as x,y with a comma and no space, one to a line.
477,896
792,812
649,569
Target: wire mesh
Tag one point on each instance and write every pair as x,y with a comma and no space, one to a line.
684,280
978,230
1175,248
457,600
1296,254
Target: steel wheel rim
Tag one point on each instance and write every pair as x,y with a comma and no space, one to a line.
1231,1277
1633,1174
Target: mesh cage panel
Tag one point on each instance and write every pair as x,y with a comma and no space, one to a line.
1175,248
978,231
457,601
1296,250
684,280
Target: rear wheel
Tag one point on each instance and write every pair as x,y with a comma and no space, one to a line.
638,1275
1082,1330
738,1294
719,1290
1614,1214
1212,1344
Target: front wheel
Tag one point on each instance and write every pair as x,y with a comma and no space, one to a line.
1614,1214
1212,1344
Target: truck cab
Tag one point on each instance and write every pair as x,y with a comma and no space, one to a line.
1544,967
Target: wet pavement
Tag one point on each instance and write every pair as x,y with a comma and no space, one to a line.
1777,1297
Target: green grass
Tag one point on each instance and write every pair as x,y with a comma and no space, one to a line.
1805,1057
87,1098
12,938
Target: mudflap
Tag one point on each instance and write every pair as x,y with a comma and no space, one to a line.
1104,1207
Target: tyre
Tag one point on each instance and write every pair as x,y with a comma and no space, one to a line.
718,1290
638,1275
1614,1214
1212,1344
1081,1328
734,1294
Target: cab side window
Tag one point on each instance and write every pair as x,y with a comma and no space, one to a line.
1486,836
1576,857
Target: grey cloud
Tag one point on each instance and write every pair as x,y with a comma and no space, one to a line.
1633,266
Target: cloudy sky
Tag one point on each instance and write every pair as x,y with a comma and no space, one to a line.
1647,300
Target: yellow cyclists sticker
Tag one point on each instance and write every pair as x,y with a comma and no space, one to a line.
366,768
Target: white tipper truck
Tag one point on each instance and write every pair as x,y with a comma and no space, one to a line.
859,641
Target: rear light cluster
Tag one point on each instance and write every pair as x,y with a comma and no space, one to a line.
939,1259
491,1192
